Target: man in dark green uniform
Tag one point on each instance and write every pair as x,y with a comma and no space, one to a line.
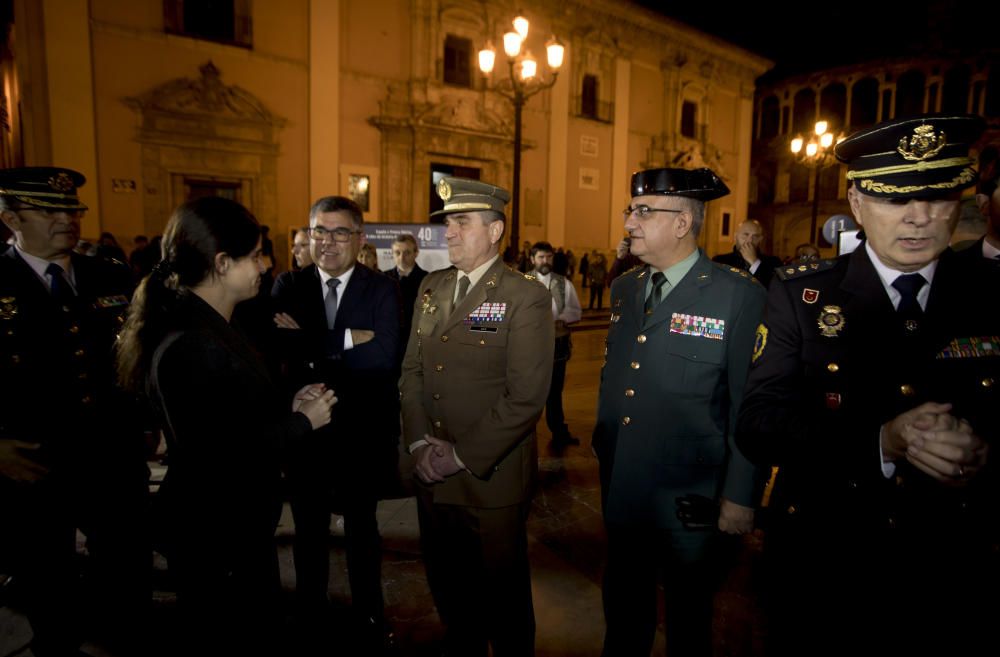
678,352
874,390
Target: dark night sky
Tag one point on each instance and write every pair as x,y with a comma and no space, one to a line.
827,34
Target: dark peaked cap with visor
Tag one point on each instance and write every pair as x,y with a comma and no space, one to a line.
700,184
466,195
43,187
918,157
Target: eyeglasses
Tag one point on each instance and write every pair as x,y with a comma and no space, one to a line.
644,211
321,234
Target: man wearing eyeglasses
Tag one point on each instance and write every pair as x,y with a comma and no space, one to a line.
672,483
342,322
72,454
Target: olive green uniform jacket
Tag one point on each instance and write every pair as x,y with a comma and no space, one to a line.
477,375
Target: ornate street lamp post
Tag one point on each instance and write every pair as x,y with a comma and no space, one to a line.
816,154
522,83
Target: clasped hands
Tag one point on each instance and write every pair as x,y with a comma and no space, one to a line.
358,336
315,402
436,460
935,442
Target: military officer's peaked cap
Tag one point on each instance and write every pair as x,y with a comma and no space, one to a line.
701,184
909,158
43,187
465,195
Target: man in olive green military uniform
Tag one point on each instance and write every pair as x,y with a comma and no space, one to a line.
678,352
72,454
874,389
475,379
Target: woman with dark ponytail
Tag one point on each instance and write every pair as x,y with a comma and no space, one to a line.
225,421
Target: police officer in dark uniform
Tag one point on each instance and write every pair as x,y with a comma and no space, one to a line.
72,454
678,352
874,391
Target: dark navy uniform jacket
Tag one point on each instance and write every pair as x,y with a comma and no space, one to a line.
834,362
57,374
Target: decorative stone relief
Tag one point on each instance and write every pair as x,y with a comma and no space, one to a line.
200,128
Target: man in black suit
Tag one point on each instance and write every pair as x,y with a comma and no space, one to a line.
747,255
408,274
874,391
988,200
72,454
340,324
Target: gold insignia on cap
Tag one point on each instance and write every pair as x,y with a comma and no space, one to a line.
922,145
831,321
61,182
444,189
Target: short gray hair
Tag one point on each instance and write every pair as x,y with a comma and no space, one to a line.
697,210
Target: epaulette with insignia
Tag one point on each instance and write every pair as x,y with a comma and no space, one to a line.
531,277
636,268
790,271
742,273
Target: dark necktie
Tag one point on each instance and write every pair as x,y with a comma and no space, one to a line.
463,289
331,302
62,292
654,296
909,285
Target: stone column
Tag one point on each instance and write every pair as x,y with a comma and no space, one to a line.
72,117
555,228
619,157
324,99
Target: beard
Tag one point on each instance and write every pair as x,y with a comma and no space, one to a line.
544,270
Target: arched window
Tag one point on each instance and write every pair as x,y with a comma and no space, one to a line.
804,113
956,90
770,118
833,105
909,95
864,103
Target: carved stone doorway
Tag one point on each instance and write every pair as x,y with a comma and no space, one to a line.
201,137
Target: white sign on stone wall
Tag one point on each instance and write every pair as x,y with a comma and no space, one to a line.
589,145
589,178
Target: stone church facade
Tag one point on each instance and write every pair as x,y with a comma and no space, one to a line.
277,102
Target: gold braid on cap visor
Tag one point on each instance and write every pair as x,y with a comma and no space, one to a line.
967,176
909,168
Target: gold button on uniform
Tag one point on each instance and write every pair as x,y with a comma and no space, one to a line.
437,424
78,353
906,389
444,338
833,367
630,392
626,420
482,342
74,329
641,339
439,368
86,399
792,510
987,382
436,396
635,365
